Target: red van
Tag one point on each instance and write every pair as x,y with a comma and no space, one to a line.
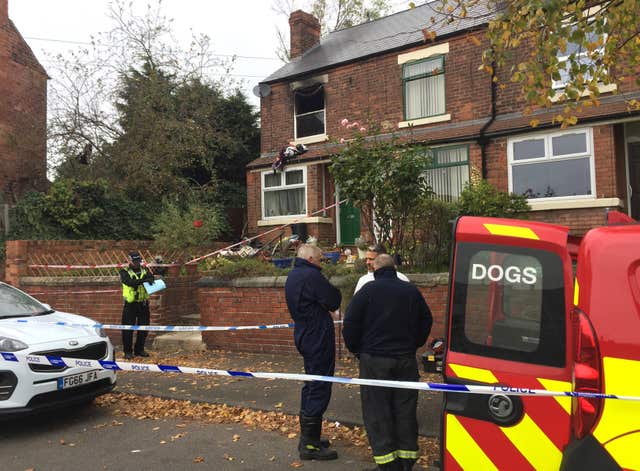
532,307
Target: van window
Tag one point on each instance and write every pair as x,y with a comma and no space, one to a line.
508,303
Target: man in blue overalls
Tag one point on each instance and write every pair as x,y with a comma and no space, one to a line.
310,299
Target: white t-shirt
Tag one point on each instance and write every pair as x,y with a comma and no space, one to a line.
366,278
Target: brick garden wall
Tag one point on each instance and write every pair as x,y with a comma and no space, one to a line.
100,298
259,301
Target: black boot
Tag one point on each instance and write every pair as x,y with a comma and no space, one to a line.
406,464
310,447
324,442
392,466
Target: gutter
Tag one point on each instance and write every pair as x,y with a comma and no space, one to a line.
483,140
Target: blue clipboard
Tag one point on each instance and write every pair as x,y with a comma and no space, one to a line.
155,287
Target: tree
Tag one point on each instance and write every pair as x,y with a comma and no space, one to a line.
383,178
332,15
583,44
169,128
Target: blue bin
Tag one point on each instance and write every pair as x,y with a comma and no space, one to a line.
333,257
282,262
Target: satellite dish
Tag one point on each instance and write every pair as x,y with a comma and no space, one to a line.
262,90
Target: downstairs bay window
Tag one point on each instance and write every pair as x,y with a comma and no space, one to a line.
284,193
557,165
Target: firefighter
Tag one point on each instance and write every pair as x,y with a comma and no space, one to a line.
310,299
136,305
385,323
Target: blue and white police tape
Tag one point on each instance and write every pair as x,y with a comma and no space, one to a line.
163,328
435,387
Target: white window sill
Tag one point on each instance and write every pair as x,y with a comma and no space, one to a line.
559,95
278,221
576,204
423,53
312,139
418,122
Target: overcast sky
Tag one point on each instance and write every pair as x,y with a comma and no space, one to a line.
246,28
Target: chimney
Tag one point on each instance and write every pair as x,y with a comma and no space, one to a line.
4,12
304,31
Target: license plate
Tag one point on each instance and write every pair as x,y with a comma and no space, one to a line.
73,381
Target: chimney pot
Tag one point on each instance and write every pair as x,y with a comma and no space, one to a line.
4,12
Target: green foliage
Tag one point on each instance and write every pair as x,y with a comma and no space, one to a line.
240,268
381,176
174,228
483,199
73,209
429,244
596,40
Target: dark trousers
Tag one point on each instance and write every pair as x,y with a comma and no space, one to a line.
390,413
136,313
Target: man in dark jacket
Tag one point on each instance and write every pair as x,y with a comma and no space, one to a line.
136,304
385,323
310,299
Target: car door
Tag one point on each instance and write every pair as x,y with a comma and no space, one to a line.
508,325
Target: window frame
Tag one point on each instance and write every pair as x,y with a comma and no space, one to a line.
419,77
549,157
296,115
435,165
552,341
282,187
560,85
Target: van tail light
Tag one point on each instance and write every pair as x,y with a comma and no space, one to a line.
587,375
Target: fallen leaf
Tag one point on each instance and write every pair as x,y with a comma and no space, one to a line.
296,464
62,442
198,459
236,437
228,457
292,435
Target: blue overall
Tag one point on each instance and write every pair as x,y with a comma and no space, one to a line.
310,297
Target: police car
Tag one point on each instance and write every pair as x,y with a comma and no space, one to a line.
26,387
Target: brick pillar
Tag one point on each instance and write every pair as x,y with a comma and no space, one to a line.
16,260
304,32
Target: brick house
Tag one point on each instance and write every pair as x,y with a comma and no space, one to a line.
23,114
436,93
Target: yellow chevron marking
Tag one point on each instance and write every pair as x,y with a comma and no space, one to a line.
553,385
534,445
511,231
474,374
625,450
622,377
576,293
464,449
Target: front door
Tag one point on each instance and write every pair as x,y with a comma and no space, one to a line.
634,179
508,326
349,223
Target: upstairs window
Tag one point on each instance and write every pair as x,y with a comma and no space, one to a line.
423,83
309,111
284,193
449,173
552,165
578,57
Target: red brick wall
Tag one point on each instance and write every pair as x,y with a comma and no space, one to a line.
232,306
23,105
101,299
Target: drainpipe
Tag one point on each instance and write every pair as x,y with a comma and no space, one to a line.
483,140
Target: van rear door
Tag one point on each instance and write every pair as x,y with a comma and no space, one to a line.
508,325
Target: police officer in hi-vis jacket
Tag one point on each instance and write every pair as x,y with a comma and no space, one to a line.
136,304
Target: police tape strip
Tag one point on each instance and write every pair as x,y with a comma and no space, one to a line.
164,328
434,387
195,260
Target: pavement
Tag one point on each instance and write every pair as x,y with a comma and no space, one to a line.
94,438
262,394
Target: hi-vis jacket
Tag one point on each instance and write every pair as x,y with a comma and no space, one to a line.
132,288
